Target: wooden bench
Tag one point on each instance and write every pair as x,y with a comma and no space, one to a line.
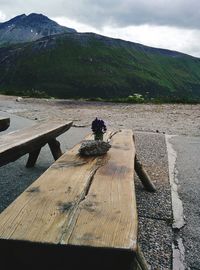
80,214
30,141
4,123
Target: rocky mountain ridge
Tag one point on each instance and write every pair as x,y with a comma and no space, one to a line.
27,28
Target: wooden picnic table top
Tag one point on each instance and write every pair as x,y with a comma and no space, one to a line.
20,142
80,202
4,123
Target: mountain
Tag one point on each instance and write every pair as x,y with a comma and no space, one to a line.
73,65
25,28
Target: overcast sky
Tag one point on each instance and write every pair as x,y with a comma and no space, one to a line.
171,24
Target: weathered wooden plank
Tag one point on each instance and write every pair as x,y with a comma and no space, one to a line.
79,201
27,140
4,123
45,210
107,216
84,204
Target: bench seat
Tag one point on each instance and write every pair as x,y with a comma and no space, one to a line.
30,140
80,213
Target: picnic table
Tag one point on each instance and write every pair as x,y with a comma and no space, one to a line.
30,140
80,214
4,123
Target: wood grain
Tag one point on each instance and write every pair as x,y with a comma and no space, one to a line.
107,216
80,201
50,202
18,143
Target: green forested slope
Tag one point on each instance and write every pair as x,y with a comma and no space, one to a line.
89,65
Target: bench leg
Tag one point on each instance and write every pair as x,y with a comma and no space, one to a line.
32,158
139,261
55,148
144,177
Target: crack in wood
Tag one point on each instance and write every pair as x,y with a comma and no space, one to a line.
33,189
113,134
75,210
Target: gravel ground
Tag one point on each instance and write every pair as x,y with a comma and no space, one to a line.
155,238
151,150
154,209
149,123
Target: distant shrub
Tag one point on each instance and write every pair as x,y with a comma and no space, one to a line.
136,98
37,94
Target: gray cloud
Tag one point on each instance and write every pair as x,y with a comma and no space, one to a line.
172,24
119,13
